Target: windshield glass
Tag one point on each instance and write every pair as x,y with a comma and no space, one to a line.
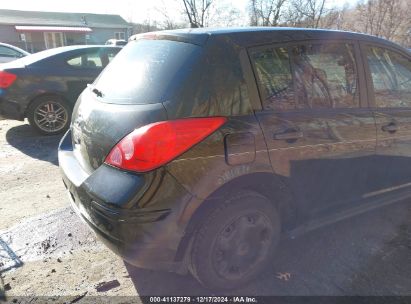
146,71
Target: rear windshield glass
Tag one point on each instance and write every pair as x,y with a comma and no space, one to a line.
146,71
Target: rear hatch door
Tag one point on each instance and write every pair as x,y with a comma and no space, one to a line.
129,94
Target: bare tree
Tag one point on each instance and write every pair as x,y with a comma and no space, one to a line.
371,13
394,18
336,18
168,22
223,14
383,18
144,27
197,12
266,12
306,13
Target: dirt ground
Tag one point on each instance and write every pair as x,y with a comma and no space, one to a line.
46,250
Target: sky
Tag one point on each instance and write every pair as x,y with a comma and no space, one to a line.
137,11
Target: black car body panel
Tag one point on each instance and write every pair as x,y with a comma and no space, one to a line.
94,140
309,162
133,220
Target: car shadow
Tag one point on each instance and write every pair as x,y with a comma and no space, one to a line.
25,139
2,290
364,255
8,259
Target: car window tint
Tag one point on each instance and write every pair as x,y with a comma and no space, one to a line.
8,52
225,87
325,76
89,60
391,77
275,79
76,61
94,60
111,55
146,71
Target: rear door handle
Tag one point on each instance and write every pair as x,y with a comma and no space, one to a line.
390,128
288,134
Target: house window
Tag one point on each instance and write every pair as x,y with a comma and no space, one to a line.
53,39
120,35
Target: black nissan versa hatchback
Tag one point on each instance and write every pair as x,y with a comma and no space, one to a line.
195,150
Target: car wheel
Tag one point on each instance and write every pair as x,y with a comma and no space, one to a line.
235,242
49,115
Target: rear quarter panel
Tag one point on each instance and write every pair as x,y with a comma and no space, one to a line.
218,88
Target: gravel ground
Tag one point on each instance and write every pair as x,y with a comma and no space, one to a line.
46,250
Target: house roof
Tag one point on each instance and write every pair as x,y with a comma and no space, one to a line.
15,17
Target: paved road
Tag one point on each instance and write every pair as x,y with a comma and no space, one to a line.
46,250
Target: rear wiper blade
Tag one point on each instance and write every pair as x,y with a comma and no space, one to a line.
95,91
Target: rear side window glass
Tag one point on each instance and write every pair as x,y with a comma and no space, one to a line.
97,59
86,61
325,76
146,71
273,71
391,77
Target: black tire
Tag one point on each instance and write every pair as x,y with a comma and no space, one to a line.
255,232
49,114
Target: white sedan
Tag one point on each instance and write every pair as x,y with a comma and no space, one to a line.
10,52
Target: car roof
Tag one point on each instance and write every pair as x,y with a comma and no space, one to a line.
61,50
254,36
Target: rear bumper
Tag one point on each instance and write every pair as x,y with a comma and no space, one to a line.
108,201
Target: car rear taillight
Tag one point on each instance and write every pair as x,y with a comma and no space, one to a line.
154,145
6,79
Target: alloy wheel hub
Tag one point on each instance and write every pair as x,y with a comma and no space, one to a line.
51,116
